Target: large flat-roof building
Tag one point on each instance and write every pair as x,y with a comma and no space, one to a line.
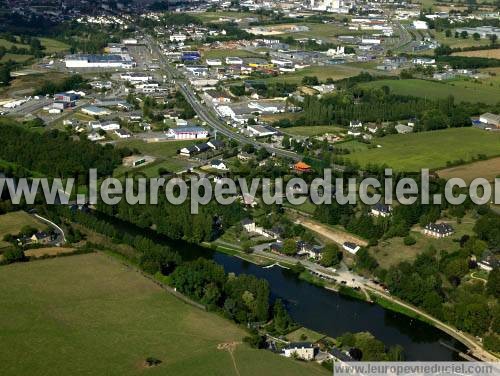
99,61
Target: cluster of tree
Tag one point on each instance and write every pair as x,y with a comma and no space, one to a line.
176,221
73,82
150,256
5,70
467,62
471,306
365,347
55,153
379,105
184,106
264,89
242,298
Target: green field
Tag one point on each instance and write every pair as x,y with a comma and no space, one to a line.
414,151
299,334
51,45
313,130
11,223
222,54
463,91
15,58
327,32
164,152
95,316
459,42
335,72
214,16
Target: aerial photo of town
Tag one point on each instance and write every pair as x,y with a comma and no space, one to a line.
252,187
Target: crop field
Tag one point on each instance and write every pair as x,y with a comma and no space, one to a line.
463,91
17,58
24,85
489,169
93,315
214,16
490,54
459,42
51,45
414,151
327,32
11,223
222,54
335,72
313,130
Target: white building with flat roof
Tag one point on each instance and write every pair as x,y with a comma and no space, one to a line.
99,61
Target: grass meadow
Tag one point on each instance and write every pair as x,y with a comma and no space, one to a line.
414,151
91,315
462,90
11,223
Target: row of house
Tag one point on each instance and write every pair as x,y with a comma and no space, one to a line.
192,150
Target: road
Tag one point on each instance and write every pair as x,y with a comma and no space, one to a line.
204,113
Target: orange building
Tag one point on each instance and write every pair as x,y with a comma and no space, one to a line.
301,167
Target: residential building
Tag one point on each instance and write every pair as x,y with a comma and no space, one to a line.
489,118
351,247
219,165
95,136
302,350
234,60
122,133
302,167
438,230
215,144
381,210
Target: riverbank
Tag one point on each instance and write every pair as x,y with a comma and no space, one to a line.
378,297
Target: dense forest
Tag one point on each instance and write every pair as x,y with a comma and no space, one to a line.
55,153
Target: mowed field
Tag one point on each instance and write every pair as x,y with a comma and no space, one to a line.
463,91
335,72
489,169
11,223
490,54
91,315
51,45
312,130
164,152
393,251
414,151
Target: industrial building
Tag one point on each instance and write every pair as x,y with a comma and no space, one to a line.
99,61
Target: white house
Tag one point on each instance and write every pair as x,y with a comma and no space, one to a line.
438,230
213,62
420,25
110,126
94,136
489,118
381,210
302,350
122,133
351,247
219,165
234,60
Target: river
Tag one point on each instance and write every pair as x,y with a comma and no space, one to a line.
326,311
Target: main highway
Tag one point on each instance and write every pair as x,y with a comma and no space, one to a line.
204,113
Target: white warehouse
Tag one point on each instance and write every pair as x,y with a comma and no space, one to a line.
99,61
